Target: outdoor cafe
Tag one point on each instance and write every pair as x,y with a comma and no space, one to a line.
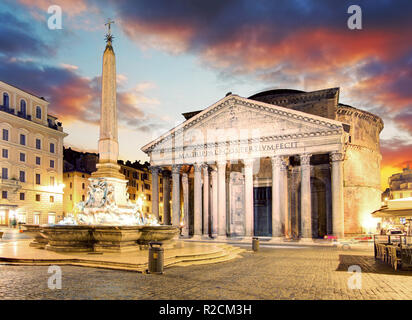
394,243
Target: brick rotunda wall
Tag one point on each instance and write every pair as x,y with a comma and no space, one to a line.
362,188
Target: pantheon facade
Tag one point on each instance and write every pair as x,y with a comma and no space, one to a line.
281,164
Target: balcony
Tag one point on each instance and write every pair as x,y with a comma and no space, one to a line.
7,109
53,125
24,115
11,184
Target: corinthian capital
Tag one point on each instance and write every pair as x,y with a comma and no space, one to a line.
198,167
285,163
276,161
305,159
154,169
176,168
336,156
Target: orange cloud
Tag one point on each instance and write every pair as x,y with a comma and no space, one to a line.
314,50
72,8
172,38
396,155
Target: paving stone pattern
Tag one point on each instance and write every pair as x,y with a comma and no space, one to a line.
272,273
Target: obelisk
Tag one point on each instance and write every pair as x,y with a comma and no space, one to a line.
108,141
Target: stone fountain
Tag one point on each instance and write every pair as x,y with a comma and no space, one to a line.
101,225
107,221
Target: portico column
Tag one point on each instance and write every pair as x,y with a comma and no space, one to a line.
276,209
205,200
166,197
305,205
185,187
155,191
214,205
198,200
337,194
248,165
284,197
221,201
176,195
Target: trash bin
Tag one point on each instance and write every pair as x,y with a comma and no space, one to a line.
156,255
255,244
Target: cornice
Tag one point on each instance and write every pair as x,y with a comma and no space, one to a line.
361,114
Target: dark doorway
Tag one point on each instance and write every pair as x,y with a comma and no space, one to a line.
318,200
318,210
262,200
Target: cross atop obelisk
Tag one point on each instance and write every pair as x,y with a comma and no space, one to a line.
109,22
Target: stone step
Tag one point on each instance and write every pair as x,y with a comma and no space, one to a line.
223,258
218,253
226,254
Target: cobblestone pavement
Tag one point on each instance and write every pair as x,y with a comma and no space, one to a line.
272,273
12,234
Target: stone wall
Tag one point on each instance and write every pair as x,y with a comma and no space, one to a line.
361,168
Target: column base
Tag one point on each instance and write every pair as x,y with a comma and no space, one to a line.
185,232
276,239
196,237
206,237
221,238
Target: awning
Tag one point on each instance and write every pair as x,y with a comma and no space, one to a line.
384,212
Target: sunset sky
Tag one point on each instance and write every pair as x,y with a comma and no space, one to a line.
178,56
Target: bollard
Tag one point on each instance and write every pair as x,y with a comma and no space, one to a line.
255,244
156,256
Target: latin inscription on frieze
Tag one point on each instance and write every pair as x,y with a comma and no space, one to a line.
236,150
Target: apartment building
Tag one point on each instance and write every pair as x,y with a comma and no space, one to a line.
31,160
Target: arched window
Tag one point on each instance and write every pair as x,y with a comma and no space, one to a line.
38,112
5,99
23,107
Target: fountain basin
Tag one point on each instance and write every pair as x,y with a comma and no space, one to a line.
101,238
165,234
64,238
116,238
39,240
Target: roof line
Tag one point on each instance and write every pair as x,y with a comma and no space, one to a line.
30,93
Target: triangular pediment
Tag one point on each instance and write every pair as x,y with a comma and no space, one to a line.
234,116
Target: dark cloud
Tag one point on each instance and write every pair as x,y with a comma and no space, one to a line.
71,96
19,40
404,119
